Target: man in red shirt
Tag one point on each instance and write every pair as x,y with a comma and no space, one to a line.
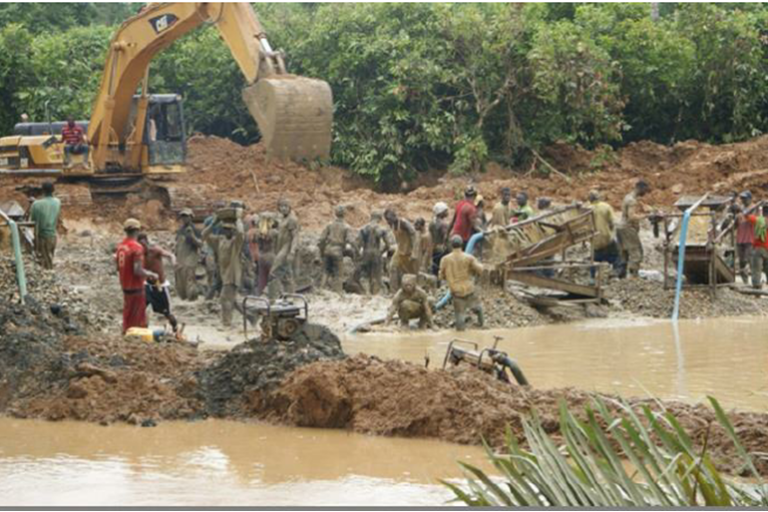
74,140
130,266
759,247
158,291
464,221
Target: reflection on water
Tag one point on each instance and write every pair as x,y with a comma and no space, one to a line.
726,358
218,463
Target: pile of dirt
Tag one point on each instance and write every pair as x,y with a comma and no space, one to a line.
257,366
501,309
114,379
463,405
649,299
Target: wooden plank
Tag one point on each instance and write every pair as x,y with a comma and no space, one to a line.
554,284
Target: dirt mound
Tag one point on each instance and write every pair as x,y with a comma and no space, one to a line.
648,298
256,366
114,379
462,405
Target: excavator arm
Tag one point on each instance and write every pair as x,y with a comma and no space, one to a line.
294,114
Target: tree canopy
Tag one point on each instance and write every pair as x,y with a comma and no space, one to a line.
418,86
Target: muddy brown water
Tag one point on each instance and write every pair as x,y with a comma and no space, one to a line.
725,358
219,462
230,463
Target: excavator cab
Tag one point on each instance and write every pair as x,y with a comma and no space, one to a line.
165,134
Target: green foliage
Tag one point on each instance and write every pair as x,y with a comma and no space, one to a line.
419,86
611,458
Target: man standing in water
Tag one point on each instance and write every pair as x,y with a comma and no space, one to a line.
458,269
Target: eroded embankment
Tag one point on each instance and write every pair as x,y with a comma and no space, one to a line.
51,370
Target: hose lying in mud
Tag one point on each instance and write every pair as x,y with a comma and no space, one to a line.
470,248
513,367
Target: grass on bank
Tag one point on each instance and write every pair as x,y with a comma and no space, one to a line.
612,458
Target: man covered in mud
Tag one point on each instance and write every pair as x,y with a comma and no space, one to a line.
333,240
424,246
211,258
45,214
628,232
459,270
745,234
188,244
438,231
281,276
404,261
373,242
266,239
502,212
158,290
130,267
524,210
229,247
411,302
604,243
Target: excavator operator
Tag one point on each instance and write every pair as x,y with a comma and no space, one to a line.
75,141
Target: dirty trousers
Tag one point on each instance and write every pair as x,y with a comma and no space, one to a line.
460,307
400,266
134,309
45,247
410,309
631,248
371,267
186,283
227,300
332,266
281,278
265,266
744,256
759,265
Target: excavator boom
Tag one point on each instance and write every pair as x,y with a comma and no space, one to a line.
294,114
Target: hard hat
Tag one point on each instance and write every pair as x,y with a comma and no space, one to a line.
439,208
470,191
131,224
746,194
478,199
186,212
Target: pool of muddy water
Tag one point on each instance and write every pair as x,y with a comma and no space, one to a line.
725,358
221,463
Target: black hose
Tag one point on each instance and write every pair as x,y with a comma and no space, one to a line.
517,372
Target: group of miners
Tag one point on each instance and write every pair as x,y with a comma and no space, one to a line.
257,254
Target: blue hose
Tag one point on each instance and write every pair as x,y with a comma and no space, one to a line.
470,248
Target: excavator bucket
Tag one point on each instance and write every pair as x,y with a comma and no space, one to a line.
294,115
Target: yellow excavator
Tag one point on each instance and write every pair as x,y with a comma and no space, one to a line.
134,134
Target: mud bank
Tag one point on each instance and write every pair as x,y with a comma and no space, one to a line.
51,375
393,398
